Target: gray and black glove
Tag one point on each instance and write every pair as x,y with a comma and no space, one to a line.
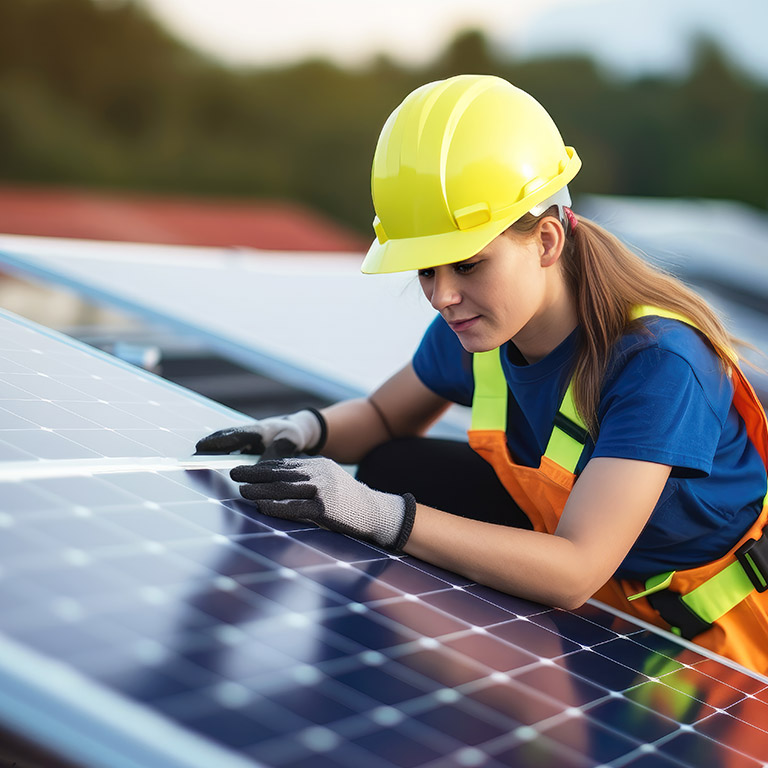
318,489
273,438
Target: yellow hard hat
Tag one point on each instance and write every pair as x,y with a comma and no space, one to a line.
458,162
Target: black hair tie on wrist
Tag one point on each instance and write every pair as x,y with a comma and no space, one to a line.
323,433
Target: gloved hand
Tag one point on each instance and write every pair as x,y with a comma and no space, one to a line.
319,489
272,438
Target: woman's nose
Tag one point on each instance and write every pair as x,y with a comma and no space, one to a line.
444,292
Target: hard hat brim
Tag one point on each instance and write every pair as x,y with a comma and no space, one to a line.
430,251
427,251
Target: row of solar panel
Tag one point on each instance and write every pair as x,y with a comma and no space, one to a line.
144,604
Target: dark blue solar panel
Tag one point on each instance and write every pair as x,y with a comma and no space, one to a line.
174,604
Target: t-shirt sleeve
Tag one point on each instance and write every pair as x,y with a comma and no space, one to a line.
443,365
660,408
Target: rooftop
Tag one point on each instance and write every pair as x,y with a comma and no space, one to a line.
98,215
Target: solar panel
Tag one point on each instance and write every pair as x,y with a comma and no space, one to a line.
316,307
352,331
331,330
151,617
59,400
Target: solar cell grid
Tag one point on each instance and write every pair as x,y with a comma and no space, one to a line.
63,400
292,646
197,620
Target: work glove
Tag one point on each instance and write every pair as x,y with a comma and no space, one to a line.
318,489
272,438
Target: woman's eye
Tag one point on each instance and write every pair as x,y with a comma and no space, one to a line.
465,269
426,273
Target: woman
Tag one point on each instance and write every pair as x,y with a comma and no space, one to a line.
623,453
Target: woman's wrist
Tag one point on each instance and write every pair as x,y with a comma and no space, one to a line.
319,433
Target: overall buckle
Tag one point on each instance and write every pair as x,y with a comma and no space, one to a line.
753,556
681,618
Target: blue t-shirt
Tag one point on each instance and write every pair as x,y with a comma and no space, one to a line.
665,399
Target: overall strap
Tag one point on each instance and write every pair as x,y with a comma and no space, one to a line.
489,411
489,401
688,614
569,433
693,612
645,310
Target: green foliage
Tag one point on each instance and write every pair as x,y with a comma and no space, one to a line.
93,92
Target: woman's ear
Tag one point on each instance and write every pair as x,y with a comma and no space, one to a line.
551,240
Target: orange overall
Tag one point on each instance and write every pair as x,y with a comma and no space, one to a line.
722,606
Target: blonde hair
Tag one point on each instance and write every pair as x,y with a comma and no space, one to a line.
607,280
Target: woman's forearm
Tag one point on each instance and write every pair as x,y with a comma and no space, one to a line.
354,429
536,566
402,406
605,513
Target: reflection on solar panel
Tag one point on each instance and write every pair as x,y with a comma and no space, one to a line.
150,617
282,314
362,329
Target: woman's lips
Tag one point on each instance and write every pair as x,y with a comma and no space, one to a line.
462,325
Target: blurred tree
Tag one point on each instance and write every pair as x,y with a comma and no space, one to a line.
726,146
469,53
94,92
109,59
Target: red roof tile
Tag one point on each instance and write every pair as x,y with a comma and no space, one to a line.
90,215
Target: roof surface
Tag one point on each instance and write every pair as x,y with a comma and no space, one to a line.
95,215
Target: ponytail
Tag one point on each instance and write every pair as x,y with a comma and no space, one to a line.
607,280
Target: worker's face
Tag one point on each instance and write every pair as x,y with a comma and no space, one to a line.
506,291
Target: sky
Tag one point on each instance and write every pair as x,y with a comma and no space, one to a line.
629,37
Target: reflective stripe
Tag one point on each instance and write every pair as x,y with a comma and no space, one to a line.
654,584
568,407
489,409
645,310
710,600
719,593
489,402
562,448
